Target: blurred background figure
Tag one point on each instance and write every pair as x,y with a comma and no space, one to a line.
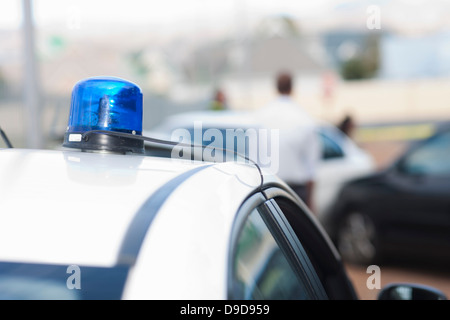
347,125
219,101
299,147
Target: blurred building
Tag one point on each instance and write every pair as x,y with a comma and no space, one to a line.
415,57
246,66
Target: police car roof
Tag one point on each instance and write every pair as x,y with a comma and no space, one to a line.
70,207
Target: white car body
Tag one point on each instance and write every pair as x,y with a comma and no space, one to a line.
168,225
333,172
74,208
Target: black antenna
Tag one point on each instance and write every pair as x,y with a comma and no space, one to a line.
85,137
5,138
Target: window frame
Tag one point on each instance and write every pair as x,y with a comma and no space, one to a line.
291,246
284,237
318,245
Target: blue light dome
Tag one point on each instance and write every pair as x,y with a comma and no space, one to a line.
108,104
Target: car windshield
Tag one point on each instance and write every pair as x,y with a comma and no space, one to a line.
238,140
27,281
241,140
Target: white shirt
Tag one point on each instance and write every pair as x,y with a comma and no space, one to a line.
298,151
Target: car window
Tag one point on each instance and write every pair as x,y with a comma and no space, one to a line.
320,258
330,148
241,140
269,262
261,270
432,158
30,281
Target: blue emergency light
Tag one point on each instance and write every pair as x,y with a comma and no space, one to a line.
105,105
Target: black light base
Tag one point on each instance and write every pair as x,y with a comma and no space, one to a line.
103,142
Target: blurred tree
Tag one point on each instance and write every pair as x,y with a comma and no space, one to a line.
57,43
137,63
364,65
278,25
372,54
353,69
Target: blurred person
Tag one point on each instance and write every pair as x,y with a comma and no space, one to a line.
219,101
299,145
347,125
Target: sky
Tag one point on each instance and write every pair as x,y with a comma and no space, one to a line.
167,12
190,15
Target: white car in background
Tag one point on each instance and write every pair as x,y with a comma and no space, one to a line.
341,161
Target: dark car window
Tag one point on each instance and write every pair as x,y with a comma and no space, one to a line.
304,264
320,258
431,158
241,140
261,269
330,148
29,281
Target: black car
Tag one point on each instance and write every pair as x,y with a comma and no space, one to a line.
402,211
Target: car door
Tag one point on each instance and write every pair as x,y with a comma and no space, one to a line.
417,210
269,261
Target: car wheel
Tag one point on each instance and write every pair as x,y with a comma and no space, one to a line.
357,239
